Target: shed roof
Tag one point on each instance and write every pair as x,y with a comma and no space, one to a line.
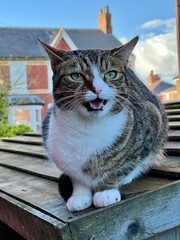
25,100
89,38
22,42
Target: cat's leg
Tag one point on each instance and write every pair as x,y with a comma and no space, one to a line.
107,194
81,197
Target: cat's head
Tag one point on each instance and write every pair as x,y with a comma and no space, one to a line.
91,82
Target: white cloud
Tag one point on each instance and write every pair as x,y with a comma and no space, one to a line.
166,25
157,52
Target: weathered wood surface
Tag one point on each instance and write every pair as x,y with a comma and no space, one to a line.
174,117
174,135
31,205
31,182
25,140
27,149
31,223
172,234
172,111
174,125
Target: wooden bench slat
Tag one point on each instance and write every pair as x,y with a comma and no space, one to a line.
172,111
32,150
31,189
137,218
172,148
39,193
174,125
34,134
29,222
174,135
24,140
174,117
169,168
34,165
45,168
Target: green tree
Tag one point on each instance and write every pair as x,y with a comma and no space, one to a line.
4,90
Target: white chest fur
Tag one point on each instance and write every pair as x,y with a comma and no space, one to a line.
73,140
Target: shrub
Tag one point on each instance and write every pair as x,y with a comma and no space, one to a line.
11,130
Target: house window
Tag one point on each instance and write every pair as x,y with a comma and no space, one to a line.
22,116
18,77
26,114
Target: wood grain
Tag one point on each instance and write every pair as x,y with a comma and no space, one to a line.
31,223
27,149
137,218
24,140
32,165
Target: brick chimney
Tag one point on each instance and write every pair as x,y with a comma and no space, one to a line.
152,78
104,21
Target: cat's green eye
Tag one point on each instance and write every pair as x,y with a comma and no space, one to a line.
110,75
77,76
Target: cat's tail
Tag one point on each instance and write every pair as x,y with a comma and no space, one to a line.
65,186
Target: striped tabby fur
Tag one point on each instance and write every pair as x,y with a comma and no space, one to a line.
105,127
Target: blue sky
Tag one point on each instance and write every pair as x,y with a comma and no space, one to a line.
153,21
127,15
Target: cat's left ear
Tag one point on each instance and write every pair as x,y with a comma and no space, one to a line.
56,56
124,52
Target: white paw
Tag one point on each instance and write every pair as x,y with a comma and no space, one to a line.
106,197
77,203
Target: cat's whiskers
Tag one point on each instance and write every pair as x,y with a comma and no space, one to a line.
75,104
70,103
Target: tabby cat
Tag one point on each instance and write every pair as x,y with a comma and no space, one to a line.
105,127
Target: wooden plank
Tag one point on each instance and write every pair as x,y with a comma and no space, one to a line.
30,189
171,102
168,169
174,117
137,218
32,150
172,148
172,111
24,140
37,192
174,125
31,223
142,185
172,234
35,134
45,168
172,106
174,135
28,164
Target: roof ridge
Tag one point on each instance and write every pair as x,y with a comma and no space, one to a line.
29,28
82,29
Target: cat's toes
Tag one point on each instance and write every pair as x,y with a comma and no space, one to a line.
77,203
106,197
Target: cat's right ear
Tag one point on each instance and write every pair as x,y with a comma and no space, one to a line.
56,56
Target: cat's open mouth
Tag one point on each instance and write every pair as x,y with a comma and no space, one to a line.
95,105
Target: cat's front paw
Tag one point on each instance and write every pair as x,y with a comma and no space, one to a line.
78,203
106,197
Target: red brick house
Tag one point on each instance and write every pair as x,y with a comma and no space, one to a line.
25,65
165,88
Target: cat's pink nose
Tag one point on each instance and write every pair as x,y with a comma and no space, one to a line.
96,90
